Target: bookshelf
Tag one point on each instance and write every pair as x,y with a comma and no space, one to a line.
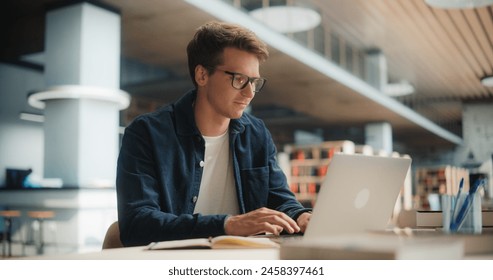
438,180
308,165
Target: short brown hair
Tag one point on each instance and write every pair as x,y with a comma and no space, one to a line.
207,46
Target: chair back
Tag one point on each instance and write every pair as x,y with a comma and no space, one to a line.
112,237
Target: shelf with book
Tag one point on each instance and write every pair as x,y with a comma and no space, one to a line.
308,165
436,181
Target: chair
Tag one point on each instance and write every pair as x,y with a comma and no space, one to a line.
9,216
112,237
40,217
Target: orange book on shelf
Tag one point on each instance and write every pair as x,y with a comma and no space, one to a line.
294,187
295,171
312,188
300,154
331,152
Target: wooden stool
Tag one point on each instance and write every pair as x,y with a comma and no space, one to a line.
8,216
40,216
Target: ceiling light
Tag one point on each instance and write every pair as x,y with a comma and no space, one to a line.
287,19
459,4
487,81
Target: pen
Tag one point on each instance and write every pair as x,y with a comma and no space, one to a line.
465,208
454,212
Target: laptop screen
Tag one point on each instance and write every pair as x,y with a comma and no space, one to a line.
358,195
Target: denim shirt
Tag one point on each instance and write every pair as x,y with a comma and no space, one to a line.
160,169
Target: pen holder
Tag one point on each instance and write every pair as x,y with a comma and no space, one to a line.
466,218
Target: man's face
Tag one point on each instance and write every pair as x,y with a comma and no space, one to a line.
225,100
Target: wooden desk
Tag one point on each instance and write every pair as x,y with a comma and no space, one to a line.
139,253
149,264
476,247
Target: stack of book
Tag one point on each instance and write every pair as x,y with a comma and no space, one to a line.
373,247
433,219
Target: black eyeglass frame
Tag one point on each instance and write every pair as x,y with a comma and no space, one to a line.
249,80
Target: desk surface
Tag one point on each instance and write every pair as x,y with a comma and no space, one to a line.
475,247
140,253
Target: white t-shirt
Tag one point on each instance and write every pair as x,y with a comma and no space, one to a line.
217,193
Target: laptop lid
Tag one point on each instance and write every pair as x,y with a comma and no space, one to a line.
358,195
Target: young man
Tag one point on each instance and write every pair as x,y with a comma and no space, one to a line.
202,167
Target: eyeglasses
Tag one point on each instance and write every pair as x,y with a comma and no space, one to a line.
240,81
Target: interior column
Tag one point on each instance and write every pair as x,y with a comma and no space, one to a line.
82,102
379,137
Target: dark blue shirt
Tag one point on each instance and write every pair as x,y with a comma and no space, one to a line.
159,174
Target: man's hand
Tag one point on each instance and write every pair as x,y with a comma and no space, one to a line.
262,220
303,220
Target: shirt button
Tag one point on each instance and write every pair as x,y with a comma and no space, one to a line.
194,199
201,163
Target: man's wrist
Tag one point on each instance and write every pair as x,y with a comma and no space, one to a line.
300,215
306,210
225,221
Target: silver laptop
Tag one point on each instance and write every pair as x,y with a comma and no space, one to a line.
358,195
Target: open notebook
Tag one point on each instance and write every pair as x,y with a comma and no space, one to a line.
219,242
